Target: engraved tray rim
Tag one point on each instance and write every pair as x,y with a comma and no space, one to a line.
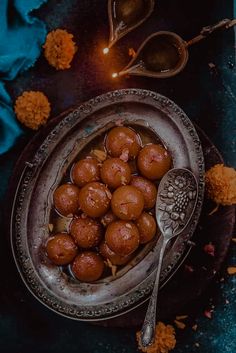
21,253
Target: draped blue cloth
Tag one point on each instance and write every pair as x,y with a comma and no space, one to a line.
21,38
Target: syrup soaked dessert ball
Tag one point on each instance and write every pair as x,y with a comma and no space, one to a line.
86,232
66,199
127,202
154,161
147,227
122,140
108,218
61,249
115,172
85,171
88,266
94,199
122,237
115,259
147,188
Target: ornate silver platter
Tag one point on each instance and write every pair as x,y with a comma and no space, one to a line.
30,217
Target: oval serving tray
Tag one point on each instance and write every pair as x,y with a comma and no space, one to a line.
30,216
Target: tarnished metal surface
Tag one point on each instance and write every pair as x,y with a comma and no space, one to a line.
33,200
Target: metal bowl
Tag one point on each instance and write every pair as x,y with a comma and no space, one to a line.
30,217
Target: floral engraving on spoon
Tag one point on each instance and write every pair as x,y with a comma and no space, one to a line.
178,197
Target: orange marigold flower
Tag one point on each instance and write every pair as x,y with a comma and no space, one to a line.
32,109
59,49
221,184
164,340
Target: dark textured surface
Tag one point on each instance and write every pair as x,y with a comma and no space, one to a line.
207,96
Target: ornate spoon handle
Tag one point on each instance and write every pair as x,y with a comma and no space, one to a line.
148,329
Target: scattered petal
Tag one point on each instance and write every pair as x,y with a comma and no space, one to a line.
211,65
194,327
132,52
181,317
209,249
179,324
50,227
215,209
208,314
231,270
189,268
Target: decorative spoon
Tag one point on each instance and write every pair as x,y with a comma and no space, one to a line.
175,205
124,16
164,54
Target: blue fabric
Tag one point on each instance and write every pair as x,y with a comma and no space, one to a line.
21,38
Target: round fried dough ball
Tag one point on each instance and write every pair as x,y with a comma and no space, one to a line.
66,199
88,266
122,237
94,199
154,161
61,249
147,188
115,172
86,232
121,139
147,227
85,171
115,259
108,218
127,202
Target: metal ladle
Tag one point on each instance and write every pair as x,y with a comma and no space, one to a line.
150,58
175,205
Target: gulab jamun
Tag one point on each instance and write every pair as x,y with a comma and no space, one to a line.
88,266
147,188
85,171
66,199
108,218
87,232
147,227
121,139
115,259
61,249
122,237
115,172
153,161
127,202
94,199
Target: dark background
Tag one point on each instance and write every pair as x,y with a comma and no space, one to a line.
207,95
